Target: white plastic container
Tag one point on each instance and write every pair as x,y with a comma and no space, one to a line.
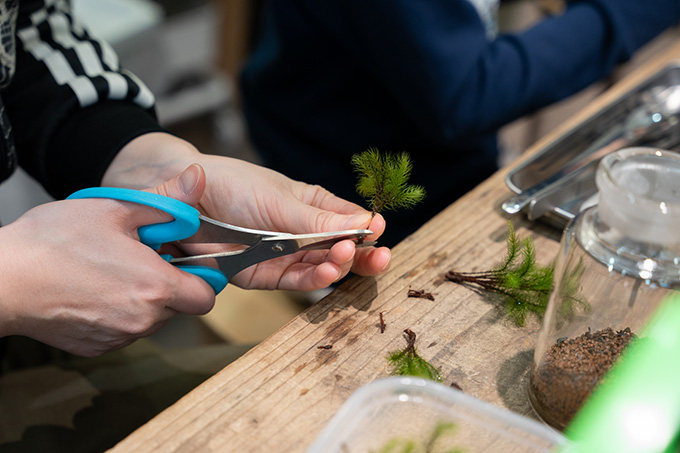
387,414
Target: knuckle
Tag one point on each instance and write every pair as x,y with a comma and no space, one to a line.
324,221
205,306
138,326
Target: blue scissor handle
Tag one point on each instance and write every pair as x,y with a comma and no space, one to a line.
186,221
185,224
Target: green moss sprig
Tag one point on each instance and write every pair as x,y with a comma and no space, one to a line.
383,180
442,434
525,284
407,362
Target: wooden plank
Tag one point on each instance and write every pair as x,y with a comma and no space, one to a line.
280,395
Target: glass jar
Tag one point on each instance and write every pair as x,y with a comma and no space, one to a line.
617,261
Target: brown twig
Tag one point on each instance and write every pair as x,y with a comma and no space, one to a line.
382,324
487,280
420,294
410,342
325,346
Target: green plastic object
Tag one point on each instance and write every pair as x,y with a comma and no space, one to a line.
636,408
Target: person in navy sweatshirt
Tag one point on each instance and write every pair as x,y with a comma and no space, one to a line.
429,77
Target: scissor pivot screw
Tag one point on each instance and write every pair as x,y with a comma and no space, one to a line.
278,247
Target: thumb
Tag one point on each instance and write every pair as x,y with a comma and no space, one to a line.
187,187
319,220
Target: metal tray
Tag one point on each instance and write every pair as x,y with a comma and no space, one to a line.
579,191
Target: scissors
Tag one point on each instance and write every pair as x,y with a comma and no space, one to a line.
190,226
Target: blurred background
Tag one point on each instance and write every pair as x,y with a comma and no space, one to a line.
189,53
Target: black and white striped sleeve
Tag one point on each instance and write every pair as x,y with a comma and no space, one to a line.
71,106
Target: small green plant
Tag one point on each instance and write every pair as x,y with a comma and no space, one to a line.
407,362
435,442
525,284
568,290
383,180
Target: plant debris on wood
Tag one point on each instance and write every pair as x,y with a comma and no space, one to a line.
325,346
407,362
382,324
420,293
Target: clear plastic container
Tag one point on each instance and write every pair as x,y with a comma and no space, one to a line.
617,261
394,413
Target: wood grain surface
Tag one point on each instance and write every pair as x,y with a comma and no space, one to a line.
279,396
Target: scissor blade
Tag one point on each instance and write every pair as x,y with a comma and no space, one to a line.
330,242
231,263
213,231
317,241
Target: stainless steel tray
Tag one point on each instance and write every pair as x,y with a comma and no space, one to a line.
558,206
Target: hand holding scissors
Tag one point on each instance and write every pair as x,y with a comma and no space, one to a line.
191,227
78,277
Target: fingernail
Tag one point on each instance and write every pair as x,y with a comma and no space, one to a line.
188,180
387,265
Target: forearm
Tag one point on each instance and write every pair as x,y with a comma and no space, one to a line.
8,265
149,160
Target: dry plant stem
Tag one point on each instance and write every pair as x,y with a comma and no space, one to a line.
488,280
410,342
407,362
382,324
420,294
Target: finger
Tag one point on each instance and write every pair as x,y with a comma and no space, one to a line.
372,261
298,217
341,255
321,198
377,225
305,277
188,186
193,295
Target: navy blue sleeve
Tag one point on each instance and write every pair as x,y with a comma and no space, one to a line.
436,61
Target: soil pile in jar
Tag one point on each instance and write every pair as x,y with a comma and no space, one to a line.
572,369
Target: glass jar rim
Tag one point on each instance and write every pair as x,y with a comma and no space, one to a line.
640,193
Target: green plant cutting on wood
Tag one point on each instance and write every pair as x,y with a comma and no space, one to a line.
407,362
524,284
